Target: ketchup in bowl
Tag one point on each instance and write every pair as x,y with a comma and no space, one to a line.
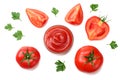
58,39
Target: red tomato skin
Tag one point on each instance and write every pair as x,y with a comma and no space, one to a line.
33,62
37,17
58,39
75,15
80,60
96,29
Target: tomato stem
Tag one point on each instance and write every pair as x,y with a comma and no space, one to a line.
27,56
90,57
103,19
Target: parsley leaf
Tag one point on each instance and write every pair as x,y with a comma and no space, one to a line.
60,66
18,35
94,7
113,44
15,15
8,27
54,11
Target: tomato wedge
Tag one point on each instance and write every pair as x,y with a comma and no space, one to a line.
88,59
96,28
37,17
58,39
75,15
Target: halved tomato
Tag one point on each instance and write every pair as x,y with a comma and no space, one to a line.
96,28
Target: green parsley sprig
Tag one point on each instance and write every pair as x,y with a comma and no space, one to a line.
60,66
94,7
15,15
18,34
54,11
113,44
8,27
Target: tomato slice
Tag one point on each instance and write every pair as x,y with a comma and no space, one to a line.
58,39
36,17
96,29
75,15
88,59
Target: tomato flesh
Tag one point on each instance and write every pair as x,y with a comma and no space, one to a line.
58,39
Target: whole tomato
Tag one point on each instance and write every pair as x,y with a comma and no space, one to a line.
27,57
96,28
88,59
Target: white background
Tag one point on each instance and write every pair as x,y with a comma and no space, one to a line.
33,36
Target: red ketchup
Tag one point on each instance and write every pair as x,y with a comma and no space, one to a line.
58,39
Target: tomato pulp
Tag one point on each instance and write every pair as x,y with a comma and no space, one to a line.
88,59
58,39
